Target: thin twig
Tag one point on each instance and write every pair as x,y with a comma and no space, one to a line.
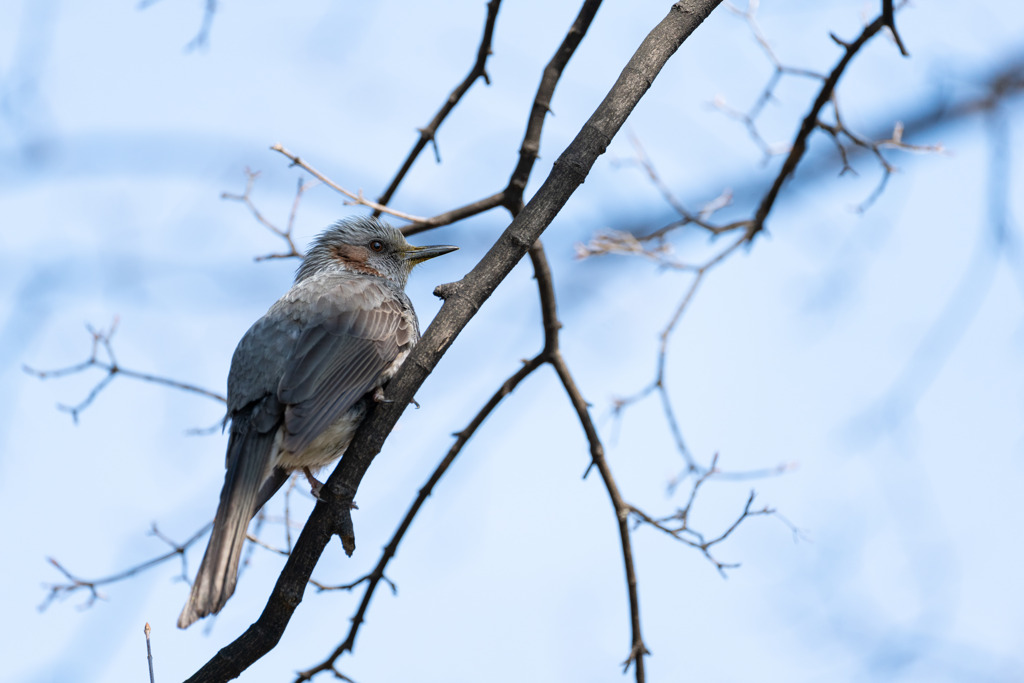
541,106
285,233
888,15
688,536
75,583
456,215
810,122
149,654
659,384
101,340
428,133
553,355
356,197
624,243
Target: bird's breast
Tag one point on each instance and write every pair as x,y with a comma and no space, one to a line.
328,446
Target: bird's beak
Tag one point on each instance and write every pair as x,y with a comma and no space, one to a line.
414,255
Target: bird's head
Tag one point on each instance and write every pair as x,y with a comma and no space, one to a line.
366,245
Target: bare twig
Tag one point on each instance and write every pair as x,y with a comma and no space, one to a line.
541,106
456,215
678,526
511,197
625,243
749,117
810,122
826,94
149,654
687,217
428,133
355,197
888,15
75,583
682,532
838,130
284,233
101,341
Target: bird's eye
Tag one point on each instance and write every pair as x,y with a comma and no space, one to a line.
377,245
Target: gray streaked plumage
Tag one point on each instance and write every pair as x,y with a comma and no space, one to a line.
301,377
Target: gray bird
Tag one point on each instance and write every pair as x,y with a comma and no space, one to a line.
302,377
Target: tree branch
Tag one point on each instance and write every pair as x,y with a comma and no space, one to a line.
75,583
374,578
355,197
101,339
462,301
530,147
810,122
428,132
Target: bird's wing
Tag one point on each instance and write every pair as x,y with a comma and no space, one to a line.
340,358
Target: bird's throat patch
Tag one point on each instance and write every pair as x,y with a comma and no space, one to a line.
354,258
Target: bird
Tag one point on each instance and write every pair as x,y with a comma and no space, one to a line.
302,377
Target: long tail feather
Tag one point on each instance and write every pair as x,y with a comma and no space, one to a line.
243,494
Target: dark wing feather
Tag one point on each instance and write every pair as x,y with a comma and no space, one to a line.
336,362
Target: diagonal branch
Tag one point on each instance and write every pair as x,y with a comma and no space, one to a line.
614,243
456,215
528,154
462,300
810,122
355,197
888,16
512,196
374,578
638,650
428,132
530,147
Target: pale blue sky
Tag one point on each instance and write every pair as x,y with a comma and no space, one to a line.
115,144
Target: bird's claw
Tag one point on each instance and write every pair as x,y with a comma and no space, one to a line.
379,397
315,486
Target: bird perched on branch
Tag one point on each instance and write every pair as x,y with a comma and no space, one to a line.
301,379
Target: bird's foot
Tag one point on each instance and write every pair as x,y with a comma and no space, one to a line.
379,397
314,484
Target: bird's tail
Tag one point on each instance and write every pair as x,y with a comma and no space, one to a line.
244,493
